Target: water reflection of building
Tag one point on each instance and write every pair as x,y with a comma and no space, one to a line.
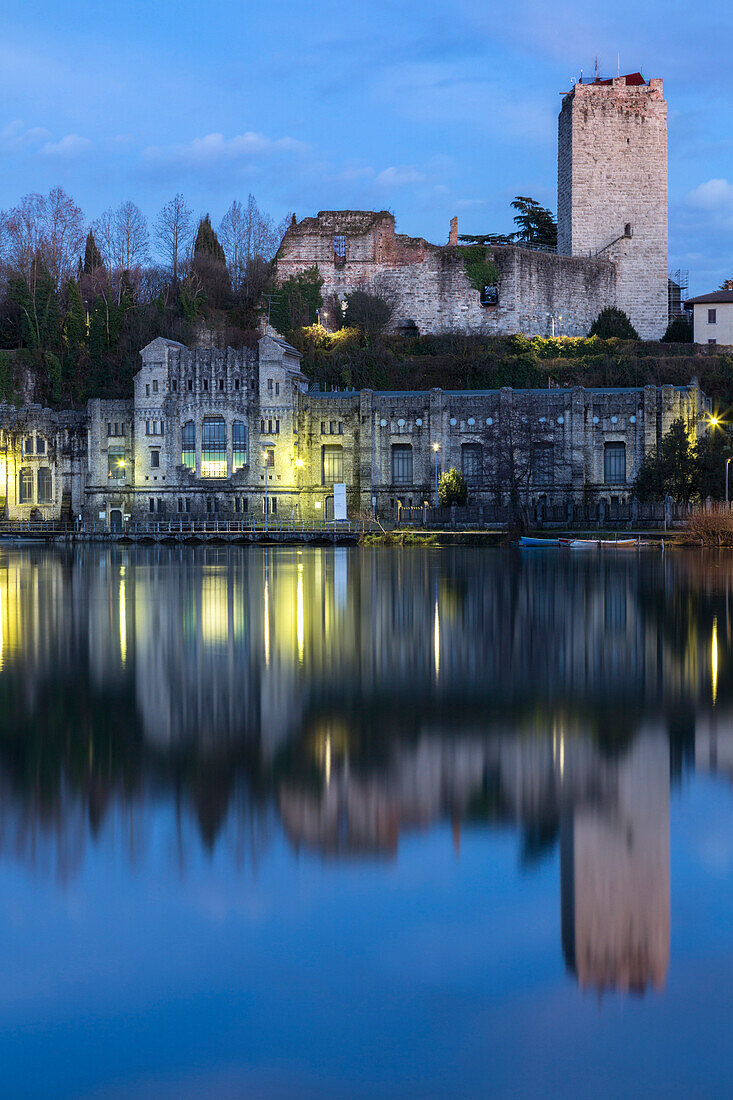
615,875
366,693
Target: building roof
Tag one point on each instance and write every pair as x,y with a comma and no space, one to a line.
714,296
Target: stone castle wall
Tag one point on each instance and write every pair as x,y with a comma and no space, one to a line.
427,283
612,173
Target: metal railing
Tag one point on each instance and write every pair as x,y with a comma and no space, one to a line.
183,526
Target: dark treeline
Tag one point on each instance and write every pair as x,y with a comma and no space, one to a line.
79,300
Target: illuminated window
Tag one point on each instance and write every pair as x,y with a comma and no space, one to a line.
543,464
214,447
239,445
25,487
472,464
402,464
116,463
188,445
614,463
270,456
333,465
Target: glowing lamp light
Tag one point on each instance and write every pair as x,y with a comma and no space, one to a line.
714,421
121,463
436,447
299,463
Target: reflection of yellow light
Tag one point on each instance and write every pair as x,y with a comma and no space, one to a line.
267,623
327,761
300,613
436,640
123,624
714,658
214,609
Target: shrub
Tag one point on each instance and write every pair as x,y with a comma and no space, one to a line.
679,331
612,322
452,488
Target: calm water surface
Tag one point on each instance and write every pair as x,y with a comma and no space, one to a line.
363,823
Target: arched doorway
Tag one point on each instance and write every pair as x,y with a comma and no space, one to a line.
115,519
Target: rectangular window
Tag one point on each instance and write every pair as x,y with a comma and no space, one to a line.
155,385
236,383
273,504
341,427
40,445
44,485
214,447
543,464
25,487
277,389
333,465
270,456
154,459
712,316
269,385
188,504
614,463
221,383
245,504
339,249
323,427
151,504
402,464
28,446
147,390
190,384
174,385
123,428
269,427
109,428
472,463
236,504
262,427
147,427
180,504
206,383
712,341
332,427
188,445
277,427
116,463
161,505
239,445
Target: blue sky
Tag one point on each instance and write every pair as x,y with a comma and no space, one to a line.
426,109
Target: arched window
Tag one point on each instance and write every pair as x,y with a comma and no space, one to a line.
25,486
214,447
188,445
45,493
239,445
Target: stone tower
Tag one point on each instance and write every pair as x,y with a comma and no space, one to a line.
612,189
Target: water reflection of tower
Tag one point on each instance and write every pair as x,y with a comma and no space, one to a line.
614,867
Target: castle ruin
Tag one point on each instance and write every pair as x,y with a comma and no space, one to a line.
612,237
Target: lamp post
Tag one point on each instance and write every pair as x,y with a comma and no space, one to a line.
267,478
436,448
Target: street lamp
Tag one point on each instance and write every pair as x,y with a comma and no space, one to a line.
436,448
267,478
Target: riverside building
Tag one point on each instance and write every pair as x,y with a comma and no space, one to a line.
230,434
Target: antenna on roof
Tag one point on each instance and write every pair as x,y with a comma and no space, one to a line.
596,66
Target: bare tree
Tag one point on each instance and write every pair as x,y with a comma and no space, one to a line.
249,237
174,232
46,230
122,237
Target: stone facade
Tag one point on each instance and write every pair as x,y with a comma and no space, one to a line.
226,434
427,283
612,189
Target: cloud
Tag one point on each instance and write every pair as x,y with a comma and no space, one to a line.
71,145
715,194
400,176
214,150
15,136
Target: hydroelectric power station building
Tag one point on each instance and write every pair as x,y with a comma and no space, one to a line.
228,433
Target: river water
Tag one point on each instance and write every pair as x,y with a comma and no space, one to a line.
300,822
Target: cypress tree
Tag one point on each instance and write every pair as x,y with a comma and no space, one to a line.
92,256
75,320
207,243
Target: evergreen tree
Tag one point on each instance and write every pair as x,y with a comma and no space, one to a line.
295,303
38,302
207,242
75,319
613,323
92,257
